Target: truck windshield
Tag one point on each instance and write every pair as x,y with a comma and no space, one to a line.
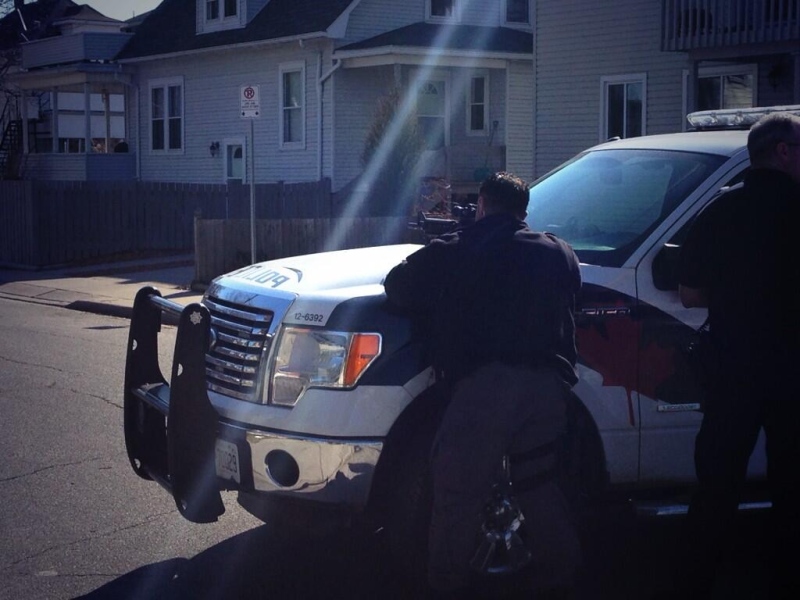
605,202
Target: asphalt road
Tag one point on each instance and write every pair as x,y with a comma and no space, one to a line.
77,523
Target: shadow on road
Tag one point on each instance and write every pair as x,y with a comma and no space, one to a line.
256,565
626,558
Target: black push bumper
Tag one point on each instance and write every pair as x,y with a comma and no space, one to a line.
171,429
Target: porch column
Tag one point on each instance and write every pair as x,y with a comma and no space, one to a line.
397,72
87,107
54,95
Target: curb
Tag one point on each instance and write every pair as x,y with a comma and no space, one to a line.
115,310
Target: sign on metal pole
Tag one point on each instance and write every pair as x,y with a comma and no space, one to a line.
250,102
250,108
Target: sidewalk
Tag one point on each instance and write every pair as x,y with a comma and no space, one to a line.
107,289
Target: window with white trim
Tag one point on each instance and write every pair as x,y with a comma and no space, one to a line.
517,12
166,115
732,86
432,113
623,102
212,10
219,15
478,104
292,94
442,10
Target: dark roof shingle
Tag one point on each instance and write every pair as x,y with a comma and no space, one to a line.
170,28
38,17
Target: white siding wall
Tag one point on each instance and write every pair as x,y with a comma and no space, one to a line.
212,83
356,96
580,41
471,152
519,129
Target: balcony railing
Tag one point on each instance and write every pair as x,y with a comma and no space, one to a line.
694,24
80,47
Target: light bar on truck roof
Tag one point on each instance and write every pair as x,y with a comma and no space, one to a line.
731,118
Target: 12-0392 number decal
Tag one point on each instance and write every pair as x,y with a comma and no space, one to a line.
309,317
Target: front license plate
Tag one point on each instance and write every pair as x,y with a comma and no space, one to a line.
227,460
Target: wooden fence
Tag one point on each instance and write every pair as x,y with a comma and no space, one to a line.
48,223
224,245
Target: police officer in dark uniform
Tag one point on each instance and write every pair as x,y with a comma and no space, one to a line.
739,261
499,299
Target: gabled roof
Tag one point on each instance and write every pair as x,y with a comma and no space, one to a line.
133,23
37,19
459,38
170,28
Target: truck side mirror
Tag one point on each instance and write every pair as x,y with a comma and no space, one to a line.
665,267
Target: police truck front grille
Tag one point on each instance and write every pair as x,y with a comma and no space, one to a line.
240,338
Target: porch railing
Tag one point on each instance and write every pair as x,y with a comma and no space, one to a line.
695,24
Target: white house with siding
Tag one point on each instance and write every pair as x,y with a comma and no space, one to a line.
319,68
635,67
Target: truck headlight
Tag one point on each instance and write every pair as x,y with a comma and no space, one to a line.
307,357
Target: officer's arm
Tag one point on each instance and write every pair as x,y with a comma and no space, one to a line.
413,284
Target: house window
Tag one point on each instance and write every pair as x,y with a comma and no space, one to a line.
518,12
166,115
442,9
623,106
431,116
729,88
65,112
477,105
231,8
212,10
292,93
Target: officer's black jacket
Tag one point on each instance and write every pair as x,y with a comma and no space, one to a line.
493,291
740,249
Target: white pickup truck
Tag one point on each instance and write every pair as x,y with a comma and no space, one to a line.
295,384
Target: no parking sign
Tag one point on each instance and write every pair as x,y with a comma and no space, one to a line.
250,102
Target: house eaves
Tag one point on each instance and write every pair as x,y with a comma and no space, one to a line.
392,55
71,77
436,44
215,49
170,30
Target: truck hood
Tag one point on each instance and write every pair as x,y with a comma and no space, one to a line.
330,272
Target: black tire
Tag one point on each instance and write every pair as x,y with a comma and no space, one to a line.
582,476
408,511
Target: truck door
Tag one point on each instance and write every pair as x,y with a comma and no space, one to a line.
670,401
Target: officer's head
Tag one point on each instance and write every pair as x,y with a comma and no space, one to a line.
774,143
503,192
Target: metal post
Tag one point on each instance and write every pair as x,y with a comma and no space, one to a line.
252,196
